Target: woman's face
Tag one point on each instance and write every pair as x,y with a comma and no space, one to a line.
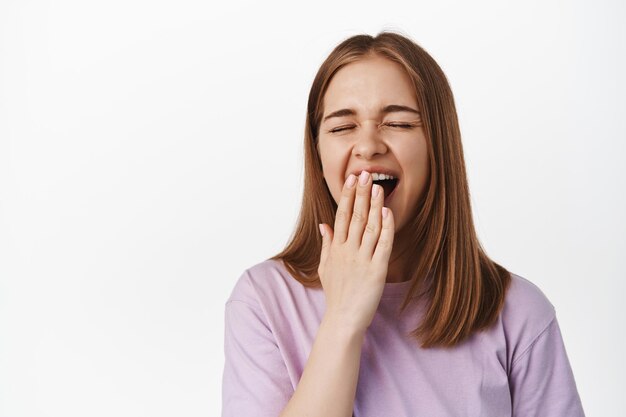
371,138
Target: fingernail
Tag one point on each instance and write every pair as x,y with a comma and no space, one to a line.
375,190
385,212
364,177
321,229
351,181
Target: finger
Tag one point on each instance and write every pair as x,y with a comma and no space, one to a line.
344,210
374,221
385,241
327,238
361,208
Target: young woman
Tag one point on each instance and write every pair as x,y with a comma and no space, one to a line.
396,310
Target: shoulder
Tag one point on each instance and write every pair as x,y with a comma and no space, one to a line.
266,282
254,279
526,314
525,300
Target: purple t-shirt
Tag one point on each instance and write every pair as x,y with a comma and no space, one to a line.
519,367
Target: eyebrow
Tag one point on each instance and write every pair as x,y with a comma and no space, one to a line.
387,109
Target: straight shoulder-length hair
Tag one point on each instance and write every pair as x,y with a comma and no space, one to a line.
463,289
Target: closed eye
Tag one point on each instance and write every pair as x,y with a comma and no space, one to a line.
339,129
399,125
402,125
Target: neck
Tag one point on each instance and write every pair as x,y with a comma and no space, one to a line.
397,269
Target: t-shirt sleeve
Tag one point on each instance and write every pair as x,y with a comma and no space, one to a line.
255,381
541,379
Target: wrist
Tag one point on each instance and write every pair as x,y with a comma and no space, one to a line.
343,326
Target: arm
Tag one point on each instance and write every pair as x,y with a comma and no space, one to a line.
328,383
352,271
353,267
541,379
255,381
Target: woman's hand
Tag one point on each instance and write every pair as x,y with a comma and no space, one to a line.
355,256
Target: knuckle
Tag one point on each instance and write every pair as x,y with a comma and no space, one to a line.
363,191
358,217
342,214
371,228
347,192
384,243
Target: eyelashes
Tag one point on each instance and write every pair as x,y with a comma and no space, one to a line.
399,125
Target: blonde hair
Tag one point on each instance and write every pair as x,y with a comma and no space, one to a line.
465,290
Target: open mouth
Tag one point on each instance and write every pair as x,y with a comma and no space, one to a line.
389,187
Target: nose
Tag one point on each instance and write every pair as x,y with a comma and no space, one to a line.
369,141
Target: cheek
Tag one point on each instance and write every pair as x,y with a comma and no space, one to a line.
334,185
417,168
333,168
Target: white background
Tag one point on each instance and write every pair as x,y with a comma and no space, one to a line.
150,151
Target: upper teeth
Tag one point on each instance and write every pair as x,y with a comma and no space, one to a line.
376,176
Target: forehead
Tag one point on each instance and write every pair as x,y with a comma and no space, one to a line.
369,84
